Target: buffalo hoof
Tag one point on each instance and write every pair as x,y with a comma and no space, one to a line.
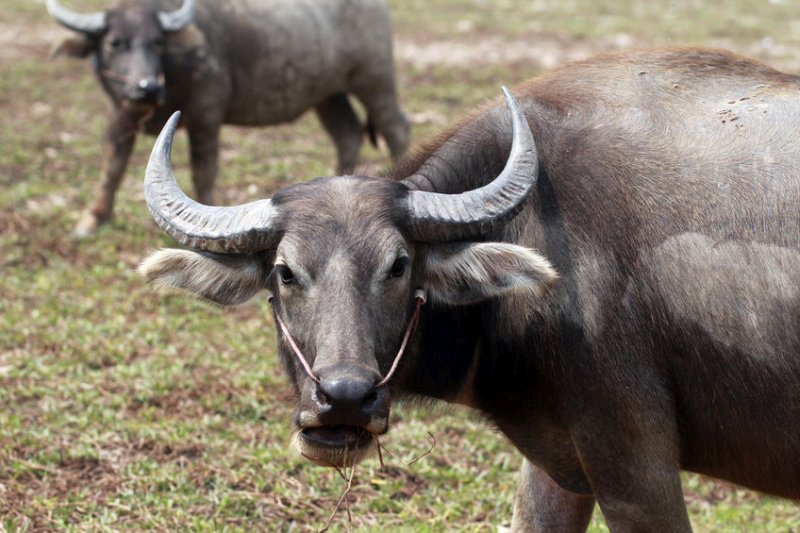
87,225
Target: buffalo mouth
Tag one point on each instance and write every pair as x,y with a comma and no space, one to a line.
336,446
349,437
142,106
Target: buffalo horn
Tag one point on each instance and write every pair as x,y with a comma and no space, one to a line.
90,23
240,229
177,20
437,217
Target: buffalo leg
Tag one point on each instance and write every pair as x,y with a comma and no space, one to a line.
652,501
204,153
385,113
117,146
634,474
340,121
542,506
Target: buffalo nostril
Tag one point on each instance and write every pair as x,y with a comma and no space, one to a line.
370,400
321,398
149,87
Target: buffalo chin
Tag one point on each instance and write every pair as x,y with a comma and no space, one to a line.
337,446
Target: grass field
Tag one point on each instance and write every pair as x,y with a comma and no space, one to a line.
125,409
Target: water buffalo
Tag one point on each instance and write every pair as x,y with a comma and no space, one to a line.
615,285
244,62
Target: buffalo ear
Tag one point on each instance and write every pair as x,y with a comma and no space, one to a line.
225,279
78,46
465,273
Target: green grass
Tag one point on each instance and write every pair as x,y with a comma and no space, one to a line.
686,21
125,409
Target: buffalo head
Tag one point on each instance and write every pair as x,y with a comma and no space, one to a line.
343,259
128,45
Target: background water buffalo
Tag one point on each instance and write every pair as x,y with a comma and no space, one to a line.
662,186
243,62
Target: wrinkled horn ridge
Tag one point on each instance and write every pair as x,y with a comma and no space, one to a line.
239,229
437,217
179,19
91,23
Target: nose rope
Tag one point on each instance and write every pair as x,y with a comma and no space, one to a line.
111,75
419,298
295,349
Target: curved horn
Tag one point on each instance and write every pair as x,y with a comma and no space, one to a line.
91,23
177,20
240,229
437,217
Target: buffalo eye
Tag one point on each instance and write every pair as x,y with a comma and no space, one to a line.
398,268
285,274
115,42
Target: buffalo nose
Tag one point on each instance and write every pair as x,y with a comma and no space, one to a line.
348,401
149,88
